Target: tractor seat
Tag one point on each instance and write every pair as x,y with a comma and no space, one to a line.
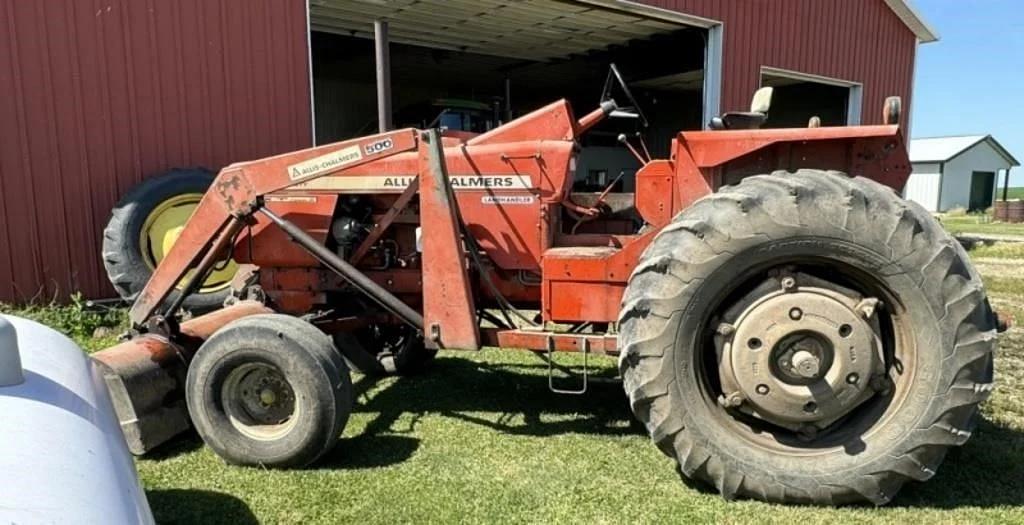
739,120
752,119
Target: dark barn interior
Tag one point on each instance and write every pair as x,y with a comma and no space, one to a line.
427,81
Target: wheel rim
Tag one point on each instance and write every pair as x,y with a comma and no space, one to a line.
259,402
799,362
161,230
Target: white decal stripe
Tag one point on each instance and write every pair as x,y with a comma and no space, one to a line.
398,183
324,163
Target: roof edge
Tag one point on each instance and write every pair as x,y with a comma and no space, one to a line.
1001,150
913,19
988,139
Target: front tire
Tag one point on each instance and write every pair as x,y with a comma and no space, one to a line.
706,274
269,390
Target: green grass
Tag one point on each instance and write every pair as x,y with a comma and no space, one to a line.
979,224
1011,193
999,250
481,439
92,328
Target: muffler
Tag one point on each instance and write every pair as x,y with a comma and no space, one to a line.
146,376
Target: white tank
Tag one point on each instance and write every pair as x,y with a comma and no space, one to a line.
62,456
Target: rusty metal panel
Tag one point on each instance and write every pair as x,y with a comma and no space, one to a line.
99,94
448,306
857,40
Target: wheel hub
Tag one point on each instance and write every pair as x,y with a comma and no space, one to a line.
258,400
161,230
800,356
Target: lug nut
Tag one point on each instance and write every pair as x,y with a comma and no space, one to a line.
852,379
762,389
796,314
732,400
866,307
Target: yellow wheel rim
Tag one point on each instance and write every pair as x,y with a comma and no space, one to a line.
161,229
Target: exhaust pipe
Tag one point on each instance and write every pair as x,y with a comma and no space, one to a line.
146,377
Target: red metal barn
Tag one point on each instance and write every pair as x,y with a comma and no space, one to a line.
98,95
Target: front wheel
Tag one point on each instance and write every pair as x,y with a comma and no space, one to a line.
269,390
806,338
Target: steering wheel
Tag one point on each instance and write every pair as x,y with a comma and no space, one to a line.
606,94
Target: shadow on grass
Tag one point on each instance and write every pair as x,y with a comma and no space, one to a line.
507,398
198,507
515,399
184,443
986,472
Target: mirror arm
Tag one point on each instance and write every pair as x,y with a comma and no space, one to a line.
591,119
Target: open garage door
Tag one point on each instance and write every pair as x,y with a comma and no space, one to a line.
472,64
798,97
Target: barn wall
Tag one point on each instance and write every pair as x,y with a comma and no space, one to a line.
923,185
857,40
100,93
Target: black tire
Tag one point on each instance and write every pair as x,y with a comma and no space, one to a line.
710,248
123,258
318,381
385,350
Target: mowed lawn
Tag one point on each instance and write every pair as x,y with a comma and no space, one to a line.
980,224
481,439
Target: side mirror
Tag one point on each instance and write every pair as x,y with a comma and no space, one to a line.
762,100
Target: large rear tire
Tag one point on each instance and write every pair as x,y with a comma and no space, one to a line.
145,223
823,236
269,390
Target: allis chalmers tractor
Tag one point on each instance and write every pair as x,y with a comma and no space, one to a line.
787,327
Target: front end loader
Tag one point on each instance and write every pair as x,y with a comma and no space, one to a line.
788,328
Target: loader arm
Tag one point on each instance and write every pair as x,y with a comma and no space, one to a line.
236,194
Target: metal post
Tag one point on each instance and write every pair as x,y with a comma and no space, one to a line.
1006,183
508,99
383,61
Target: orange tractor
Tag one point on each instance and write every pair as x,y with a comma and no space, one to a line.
787,327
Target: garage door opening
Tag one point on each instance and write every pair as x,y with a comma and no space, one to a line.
982,191
798,98
456,77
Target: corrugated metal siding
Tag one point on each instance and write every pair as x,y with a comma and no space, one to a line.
97,94
858,40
